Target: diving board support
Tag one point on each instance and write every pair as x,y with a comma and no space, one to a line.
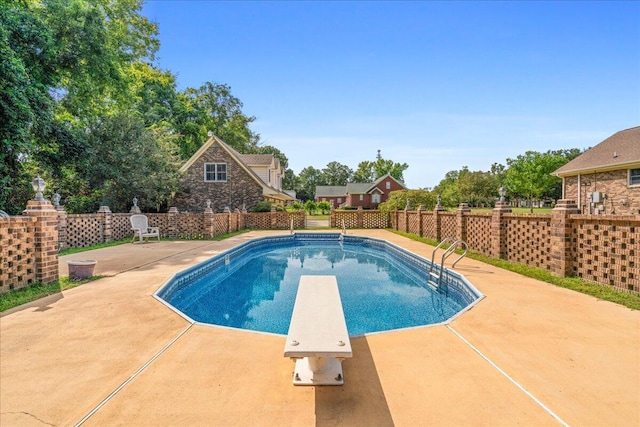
318,339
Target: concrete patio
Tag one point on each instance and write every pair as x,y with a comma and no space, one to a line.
108,353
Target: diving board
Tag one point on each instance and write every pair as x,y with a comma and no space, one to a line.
318,339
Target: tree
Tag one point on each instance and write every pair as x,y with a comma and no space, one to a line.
368,171
324,206
213,108
129,160
307,182
27,67
310,206
529,175
476,188
64,66
398,200
337,174
448,190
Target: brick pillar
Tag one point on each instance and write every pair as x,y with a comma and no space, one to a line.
360,217
420,209
437,220
461,217
209,231
62,228
498,230
172,223
561,237
107,230
45,239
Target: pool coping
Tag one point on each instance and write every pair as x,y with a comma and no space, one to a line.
107,349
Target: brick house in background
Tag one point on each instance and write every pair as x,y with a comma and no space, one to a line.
606,178
219,173
365,195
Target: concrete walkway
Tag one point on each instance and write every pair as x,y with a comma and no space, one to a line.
107,353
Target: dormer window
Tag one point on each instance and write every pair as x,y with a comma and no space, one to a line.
388,185
215,172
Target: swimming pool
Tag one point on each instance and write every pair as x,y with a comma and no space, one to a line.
253,286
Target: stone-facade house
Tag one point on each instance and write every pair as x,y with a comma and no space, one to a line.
219,173
365,195
606,178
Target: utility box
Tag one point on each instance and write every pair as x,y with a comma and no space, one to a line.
596,197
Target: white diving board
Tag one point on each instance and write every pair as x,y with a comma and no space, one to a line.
318,339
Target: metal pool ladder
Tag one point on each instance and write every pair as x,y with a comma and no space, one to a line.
435,270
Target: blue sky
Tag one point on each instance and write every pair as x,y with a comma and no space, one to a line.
436,85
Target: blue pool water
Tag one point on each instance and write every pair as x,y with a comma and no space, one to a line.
256,289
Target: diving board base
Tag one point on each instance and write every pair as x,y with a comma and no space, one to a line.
328,371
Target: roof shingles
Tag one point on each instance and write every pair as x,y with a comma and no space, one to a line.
620,149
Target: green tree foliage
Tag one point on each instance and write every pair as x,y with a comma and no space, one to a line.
398,200
69,69
310,206
130,160
337,174
477,188
369,171
213,108
324,206
529,175
307,182
27,71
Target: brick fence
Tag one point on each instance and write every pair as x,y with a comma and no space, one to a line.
29,244
598,248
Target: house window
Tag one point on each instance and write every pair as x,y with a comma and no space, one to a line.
339,199
215,172
375,198
361,197
634,176
388,185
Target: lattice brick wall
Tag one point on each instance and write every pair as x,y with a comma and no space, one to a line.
16,253
529,239
448,224
607,250
121,226
414,222
350,219
191,226
374,219
428,225
479,233
84,230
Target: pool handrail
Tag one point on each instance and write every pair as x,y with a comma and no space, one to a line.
435,270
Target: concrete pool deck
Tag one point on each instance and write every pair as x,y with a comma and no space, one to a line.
108,353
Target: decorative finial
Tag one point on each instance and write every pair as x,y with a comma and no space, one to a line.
38,186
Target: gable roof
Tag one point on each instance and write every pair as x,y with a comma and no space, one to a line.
383,177
266,189
331,191
620,150
358,187
258,159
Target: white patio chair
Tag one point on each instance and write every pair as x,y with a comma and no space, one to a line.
141,229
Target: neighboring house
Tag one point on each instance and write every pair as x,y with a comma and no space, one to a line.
335,195
606,178
219,173
365,195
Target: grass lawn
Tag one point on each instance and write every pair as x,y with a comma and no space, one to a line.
627,299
